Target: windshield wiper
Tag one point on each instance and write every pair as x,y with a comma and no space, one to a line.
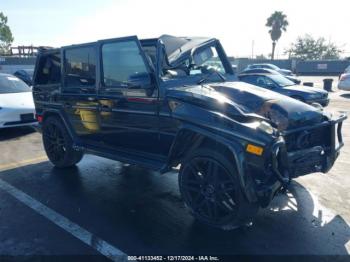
222,77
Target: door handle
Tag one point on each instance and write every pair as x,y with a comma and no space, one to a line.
67,105
92,99
105,108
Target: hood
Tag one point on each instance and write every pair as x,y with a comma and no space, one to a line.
306,89
285,71
244,101
17,100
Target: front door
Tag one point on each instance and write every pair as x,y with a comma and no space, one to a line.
128,97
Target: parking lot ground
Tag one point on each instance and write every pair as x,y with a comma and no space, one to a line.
140,212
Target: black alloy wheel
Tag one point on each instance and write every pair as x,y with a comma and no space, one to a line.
58,144
210,188
54,143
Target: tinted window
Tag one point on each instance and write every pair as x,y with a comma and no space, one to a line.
122,63
80,67
249,79
281,80
49,69
11,84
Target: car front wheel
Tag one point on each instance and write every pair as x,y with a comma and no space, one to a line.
210,188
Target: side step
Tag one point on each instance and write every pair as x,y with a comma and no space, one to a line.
154,162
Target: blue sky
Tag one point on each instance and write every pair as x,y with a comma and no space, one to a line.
236,23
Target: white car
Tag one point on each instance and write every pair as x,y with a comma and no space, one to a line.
16,102
344,82
347,70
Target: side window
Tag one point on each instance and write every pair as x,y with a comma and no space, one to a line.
123,64
80,67
260,81
49,69
250,79
269,83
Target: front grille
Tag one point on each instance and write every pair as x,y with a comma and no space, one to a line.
308,138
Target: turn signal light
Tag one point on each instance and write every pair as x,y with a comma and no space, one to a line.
256,150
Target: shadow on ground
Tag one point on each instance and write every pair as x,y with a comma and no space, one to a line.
345,95
15,132
141,212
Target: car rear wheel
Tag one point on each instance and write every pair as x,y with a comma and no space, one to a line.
210,188
58,144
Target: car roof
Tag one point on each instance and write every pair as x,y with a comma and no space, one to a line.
259,74
263,70
4,75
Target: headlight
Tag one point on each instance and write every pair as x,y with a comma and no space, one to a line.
263,125
315,96
266,127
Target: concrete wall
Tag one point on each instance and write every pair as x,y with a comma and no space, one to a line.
12,64
318,67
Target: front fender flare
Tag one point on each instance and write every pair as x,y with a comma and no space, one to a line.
236,149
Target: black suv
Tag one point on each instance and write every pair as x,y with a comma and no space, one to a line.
175,101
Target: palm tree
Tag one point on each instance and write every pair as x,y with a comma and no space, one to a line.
277,22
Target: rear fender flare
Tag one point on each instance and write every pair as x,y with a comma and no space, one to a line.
57,113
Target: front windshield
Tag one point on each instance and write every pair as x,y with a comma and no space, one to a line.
273,67
11,84
203,62
281,80
209,60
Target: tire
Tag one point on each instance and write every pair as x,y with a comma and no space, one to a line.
209,185
58,144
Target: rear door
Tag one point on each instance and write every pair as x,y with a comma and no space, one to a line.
129,97
78,94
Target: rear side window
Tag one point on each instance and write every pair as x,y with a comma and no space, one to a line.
122,62
80,67
49,69
249,79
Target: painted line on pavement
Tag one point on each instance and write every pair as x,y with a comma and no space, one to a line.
75,230
36,160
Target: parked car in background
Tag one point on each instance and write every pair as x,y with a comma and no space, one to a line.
270,71
16,102
272,67
344,82
26,75
282,85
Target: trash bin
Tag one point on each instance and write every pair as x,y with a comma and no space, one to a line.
308,84
327,84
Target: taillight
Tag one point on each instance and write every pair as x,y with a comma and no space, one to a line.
39,118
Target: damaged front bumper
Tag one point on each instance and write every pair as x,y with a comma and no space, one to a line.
288,164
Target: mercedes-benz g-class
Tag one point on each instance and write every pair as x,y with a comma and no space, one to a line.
175,101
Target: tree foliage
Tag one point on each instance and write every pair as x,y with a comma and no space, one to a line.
6,37
309,48
277,23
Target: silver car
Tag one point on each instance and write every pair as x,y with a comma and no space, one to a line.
344,81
